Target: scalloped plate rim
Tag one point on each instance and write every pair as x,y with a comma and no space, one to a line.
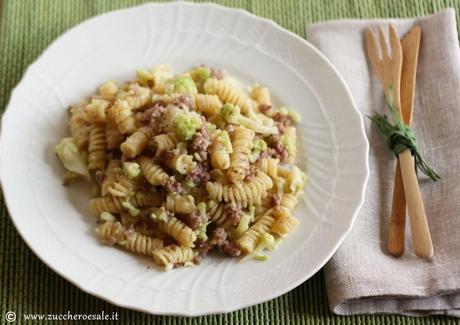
234,307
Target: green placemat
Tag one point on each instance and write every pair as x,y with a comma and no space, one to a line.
27,286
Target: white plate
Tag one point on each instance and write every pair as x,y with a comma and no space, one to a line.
55,221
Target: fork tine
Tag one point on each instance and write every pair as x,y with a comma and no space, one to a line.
372,48
383,44
395,43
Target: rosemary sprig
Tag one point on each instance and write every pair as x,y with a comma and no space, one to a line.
400,137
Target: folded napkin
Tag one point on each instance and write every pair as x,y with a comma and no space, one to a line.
363,277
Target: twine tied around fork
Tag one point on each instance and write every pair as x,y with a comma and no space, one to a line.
400,137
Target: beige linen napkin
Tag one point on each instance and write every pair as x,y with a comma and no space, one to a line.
362,277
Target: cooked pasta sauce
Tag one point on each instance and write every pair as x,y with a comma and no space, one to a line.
184,164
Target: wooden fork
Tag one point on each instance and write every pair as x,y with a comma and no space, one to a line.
410,46
388,70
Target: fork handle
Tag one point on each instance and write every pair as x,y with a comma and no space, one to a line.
421,238
396,232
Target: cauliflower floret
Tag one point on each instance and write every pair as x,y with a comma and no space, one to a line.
71,158
186,124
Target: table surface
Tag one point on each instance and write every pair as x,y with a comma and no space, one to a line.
28,286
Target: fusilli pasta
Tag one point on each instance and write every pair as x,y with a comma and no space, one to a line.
248,241
284,223
208,104
194,161
123,117
113,136
136,142
170,256
164,142
242,142
80,129
180,203
96,148
179,231
246,194
228,93
154,174
130,240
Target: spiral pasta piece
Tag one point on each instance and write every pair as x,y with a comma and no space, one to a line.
141,244
178,230
105,204
284,222
96,148
123,117
220,151
180,203
288,201
247,193
228,93
164,142
111,232
108,90
207,104
250,238
290,137
114,204
261,95
269,166
80,129
112,173
128,239
181,162
124,187
136,142
112,134
173,255
154,174
242,142
217,213
96,110
136,96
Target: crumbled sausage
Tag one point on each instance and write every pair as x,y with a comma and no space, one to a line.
276,148
150,115
199,174
193,220
264,108
233,214
219,238
183,100
172,185
280,152
219,235
230,248
282,121
200,142
203,248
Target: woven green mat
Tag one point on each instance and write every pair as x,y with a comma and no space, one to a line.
27,27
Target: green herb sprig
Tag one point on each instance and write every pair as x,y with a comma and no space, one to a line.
400,137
